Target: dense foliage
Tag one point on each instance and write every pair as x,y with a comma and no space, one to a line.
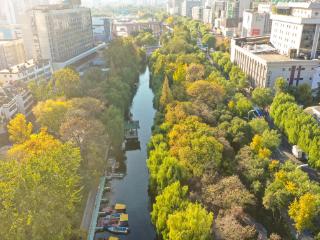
207,151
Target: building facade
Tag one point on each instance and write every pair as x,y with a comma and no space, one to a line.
263,64
60,32
255,24
208,15
124,28
187,5
296,28
25,72
197,13
102,27
11,53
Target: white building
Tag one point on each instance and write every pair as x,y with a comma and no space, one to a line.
296,27
25,72
208,15
255,23
197,13
263,64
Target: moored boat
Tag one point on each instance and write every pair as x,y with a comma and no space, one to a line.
118,230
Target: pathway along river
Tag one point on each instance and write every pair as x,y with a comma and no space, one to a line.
132,190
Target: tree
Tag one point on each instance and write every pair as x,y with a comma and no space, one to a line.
173,198
192,223
39,182
258,125
304,211
281,85
179,75
304,94
19,130
262,97
193,143
231,225
206,92
242,105
113,120
51,113
66,82
195,72
209,41
169,172
227,193
166,95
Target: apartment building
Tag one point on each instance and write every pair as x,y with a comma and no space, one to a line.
14,100
11,53
60,33
296,28
197,13
208,15
255,23
187,6
25,72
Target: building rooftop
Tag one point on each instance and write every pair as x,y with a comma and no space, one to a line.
22,66
261,47
7,93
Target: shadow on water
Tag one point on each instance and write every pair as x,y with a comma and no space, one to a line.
132,190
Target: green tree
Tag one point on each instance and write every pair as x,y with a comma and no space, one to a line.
262,97
258,125
281,85
209,41
192,223
114,123
166,95
304,94
173,198
19,130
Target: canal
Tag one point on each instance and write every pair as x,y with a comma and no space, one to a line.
132,190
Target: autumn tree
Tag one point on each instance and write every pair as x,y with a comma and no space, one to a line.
51,113
66,82
195,72
34,188
227,193
19,129
304,211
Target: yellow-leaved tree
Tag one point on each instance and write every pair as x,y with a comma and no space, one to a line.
19,129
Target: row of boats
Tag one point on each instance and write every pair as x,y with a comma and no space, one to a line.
114,219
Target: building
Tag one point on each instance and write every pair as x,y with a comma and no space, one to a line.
255,23
102,27
124,28
25,72
263,63
228,15
314,111
296,28
187,6
11,53
59,33
197,13
174,7
14,100
207,15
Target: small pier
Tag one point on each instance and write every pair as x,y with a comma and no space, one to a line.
131,130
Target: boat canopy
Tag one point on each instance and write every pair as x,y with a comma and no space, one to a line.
124,218
113,238
119,207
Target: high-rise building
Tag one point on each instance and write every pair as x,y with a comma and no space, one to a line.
174,7
197,13
11,53
187,5
59,32
296,28
255,23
